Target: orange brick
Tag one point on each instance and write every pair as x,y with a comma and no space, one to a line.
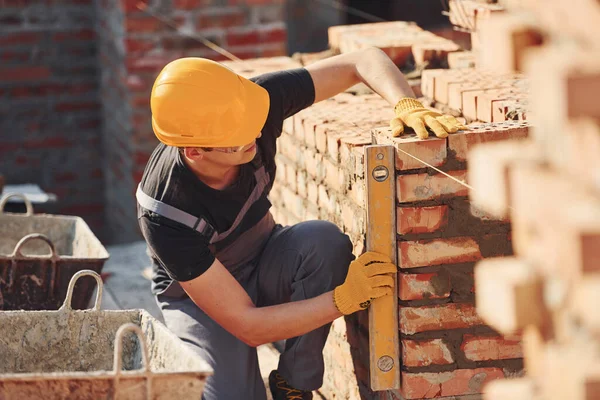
423,286
301,183
425,352
507,38
432,150
335,177
461,142
353,218
461,59
334,137
419,187
460,382
433,52
421,253
348,144
483,348
335,33
313,162
438,318
470,95
580,85
428,82
485,102
312,191
584,146
452,77
327,199
421,219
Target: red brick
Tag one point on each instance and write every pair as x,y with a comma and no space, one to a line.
419,187
24,73
222,18
138,45
143,24
137,101
255,2
20,38
421,219
483,348
256,35
192,4
83,34
421,253
423,286
274,35
243,37
429,385
130,6
461,143
426,352
439,317
15,56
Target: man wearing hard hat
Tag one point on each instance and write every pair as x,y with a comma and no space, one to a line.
227,277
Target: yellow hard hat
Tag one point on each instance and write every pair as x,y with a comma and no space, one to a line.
197,102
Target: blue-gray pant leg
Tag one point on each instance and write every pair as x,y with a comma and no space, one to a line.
301,262
235,364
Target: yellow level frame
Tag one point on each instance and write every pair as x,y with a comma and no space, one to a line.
384,345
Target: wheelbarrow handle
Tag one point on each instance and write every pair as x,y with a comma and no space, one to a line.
28,205
118,360
34,236
67,304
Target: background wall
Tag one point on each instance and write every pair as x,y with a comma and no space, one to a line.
75,78
49,105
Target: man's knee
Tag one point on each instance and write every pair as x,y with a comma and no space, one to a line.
328,243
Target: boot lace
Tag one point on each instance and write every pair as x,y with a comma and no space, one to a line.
290,392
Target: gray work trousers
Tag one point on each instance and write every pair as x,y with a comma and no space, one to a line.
298,262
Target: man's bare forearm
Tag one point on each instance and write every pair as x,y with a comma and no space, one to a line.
283,321
379,73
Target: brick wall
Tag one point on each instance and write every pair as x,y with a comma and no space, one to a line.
49,107
134,46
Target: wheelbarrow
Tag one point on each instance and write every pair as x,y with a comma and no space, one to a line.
91,354
33,279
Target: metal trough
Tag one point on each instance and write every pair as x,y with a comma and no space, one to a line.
33,278
88,354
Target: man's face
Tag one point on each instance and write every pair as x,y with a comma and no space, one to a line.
230,156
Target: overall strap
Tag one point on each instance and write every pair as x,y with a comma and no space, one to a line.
200,225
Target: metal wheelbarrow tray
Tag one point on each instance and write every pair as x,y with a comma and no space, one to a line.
32,279
88,354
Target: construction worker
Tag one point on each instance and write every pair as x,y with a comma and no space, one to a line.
227,277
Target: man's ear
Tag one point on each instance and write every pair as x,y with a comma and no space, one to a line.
193,153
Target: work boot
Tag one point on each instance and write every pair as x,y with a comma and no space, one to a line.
281,390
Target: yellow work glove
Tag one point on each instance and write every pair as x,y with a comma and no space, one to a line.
413,114
367,279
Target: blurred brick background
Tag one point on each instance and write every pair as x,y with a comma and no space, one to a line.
75,77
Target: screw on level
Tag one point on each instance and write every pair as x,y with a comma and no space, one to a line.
385,363
380,173
380,156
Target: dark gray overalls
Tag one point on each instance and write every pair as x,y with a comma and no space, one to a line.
275,265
